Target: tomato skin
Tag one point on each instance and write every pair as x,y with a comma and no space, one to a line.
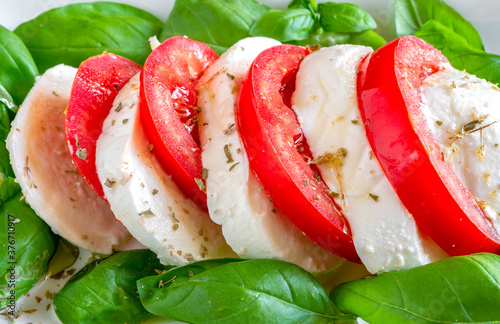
167,109
96,85
389,94
268,128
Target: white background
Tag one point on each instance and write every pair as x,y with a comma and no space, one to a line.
484,14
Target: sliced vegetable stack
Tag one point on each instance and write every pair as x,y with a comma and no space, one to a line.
244,172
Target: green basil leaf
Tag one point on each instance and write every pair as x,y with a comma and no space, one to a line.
461,54
324,39
285,26
250,291
218,23
73,33
462,289
26,247
8,188
17,68
5,166
106,292
305,4
411,15
345,18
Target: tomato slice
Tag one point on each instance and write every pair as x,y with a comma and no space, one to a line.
96,85
389,93
277,150
169,113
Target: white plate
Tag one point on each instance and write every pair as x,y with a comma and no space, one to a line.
482,13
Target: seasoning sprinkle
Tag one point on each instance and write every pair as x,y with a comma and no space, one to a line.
374,197
119,108
200,184
439,122
229,129
228,154
154,192
147,213
109,183
124,121
233,166
204,174
354,121
81,154
230,76
150,147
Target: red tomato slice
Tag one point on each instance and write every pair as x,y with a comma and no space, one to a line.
277,151
168,110
389,93
96,85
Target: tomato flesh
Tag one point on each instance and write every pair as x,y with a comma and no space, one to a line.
96,85
169,113
277,150
389,94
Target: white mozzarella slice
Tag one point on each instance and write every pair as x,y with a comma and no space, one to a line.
325,101
250,223
451,100
45,170
143,197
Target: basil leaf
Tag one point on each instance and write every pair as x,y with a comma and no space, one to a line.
410,15
73,33
305,4
345,18
17,68
460,53
285,26
26,247
325,39
250,291
462,289
217,23
106,292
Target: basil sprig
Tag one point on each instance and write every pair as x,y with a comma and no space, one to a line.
75,32
443,27
105,292
239,291
462,289
17,69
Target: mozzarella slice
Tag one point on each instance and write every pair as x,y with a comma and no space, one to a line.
451,99
45,170
325,101
250,223
142,195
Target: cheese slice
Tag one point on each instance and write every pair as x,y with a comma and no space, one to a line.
325,101
251,224
143,197
44,168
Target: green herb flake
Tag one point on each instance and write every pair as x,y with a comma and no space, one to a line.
147,213
229,129
125,121
109,183
332,194
119,108
354,121
204,174
230,76
228,154
154,192
81,154
439,122
233,166
374,197
200,184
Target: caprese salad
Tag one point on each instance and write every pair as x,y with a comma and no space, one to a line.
229,162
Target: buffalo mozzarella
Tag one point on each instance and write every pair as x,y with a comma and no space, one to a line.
250,223
45,170
143,197
451,100
325,101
